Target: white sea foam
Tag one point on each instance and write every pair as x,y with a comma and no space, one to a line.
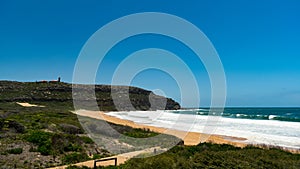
280,133
272,117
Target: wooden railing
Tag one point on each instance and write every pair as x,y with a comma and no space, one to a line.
107,159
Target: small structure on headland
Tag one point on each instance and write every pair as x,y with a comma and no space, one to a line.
51,81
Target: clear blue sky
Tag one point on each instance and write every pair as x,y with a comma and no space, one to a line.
258,42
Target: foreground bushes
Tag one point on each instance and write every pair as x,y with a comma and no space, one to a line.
42,140
213,156
208,155
55,144
15,151
11,124
74,158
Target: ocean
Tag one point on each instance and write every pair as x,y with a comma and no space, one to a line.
270,126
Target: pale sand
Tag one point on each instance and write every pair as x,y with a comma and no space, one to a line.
189,138
28,105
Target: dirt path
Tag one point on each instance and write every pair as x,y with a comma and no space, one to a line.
121,158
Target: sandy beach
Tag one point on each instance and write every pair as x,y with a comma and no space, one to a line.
189,138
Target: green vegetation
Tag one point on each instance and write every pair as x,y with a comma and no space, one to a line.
38,137
58,143
62,93
15,151
140,133
56,134
97,156
52,130
74,158
87,140
209,155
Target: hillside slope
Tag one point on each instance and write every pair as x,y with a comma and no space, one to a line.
50,134
58,91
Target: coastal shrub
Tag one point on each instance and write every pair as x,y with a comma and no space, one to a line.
45,148
33,149
74,158
86,140
1,123
17,126
140,133
70,129
58,142
38,137
15,151
208,156
98,156
42,139
72,147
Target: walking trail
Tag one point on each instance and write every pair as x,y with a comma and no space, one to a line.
121,158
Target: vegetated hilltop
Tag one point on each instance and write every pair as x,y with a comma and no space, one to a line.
59,91
49,134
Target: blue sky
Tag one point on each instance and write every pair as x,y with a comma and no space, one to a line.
258,43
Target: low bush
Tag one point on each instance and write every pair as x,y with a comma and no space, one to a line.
86,140
98,156
209,155
140,133
17,126
73,147
70,129
74,158
38,137
1,123
45,149
15,151
42,140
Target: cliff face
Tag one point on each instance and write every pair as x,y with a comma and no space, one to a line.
140,99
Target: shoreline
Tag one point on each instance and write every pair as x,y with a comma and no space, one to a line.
189,138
